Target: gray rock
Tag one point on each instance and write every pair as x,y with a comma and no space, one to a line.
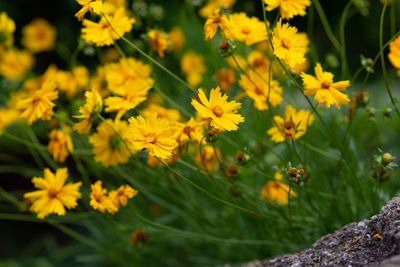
356,244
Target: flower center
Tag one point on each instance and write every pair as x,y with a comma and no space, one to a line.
246,31
288,124
326,84
285,42
53,192
151,138
218,111
187,130
115,142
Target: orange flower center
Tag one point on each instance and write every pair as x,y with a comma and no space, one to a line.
285,42
325,84
245,31
289,129
218,111
151,138
187,130
53,193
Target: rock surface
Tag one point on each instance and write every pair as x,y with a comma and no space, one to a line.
373,242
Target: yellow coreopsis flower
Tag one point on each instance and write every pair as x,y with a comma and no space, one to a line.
214,21
225,78
324,89
289,45
153,133
293,126
207,10
158,41
109,148
242,28
193,67
172,115
260,90
129,98
53,196
120,76
38,36
89,111
7,28
101,32
99,200
94,6
394,54
39,104
288,8
122,194
277,191
7,117
191,130
176,39
60,144
15,63
99,83
206,159
222,114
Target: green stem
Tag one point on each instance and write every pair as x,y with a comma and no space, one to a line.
155,62
343,20
385,78
326,25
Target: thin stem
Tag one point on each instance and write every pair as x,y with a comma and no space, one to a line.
385,78
155,62
342,24
208,193
326,25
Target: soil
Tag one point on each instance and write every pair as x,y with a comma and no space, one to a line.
373,242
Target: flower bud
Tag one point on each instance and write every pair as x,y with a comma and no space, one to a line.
242,158
227,48
388,113
387,158
212,135
231,172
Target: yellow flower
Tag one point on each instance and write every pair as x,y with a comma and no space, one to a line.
38,36
81,76
100,201
39,104
89,111
288,8
99,83
122,194
260,90
153,133
15,63
214,21
240,60
221,112
53,195
293,126
207,10
60,145
242,28
289,45
172,115
102,34
193,67
176,39
191,130
324,89
109,149
122,75
394,54
7,28
206,159
129,97
276,191
7,117
225,78
158,41
94,6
